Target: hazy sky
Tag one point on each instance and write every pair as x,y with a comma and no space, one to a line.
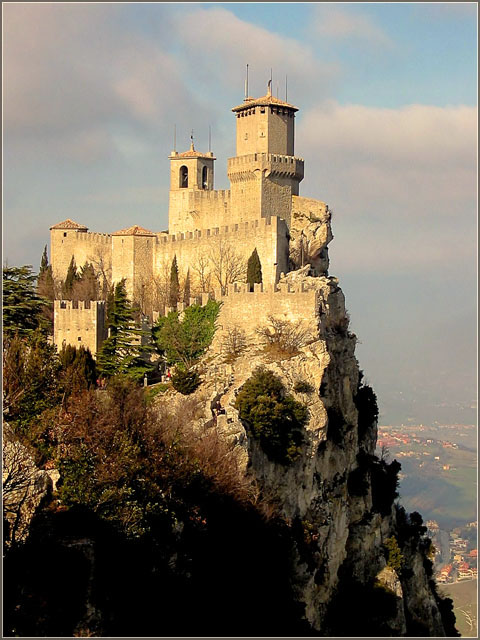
387,127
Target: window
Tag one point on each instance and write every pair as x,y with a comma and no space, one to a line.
79,338
64,234
262,109
183,177
205,178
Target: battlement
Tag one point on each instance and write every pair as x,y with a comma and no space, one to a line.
210,194
264,158
240,228
79,323
93,238
90,305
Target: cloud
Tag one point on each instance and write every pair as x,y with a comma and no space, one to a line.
402,183
220,44
339,24
71,70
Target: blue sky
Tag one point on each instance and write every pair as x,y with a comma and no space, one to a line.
387,127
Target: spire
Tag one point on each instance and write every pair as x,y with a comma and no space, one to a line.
192,146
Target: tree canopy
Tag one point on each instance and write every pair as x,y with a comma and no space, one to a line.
22,305
185,341
254,269
123,352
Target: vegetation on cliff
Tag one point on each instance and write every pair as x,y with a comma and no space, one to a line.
274,418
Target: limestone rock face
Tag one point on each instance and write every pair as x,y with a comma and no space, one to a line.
310,233
345,533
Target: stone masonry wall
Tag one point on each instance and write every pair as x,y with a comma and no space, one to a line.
79,324
84,246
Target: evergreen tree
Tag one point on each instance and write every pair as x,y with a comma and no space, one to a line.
174,284
44,261
86,286
78,368
22,305
71,278
46,289
254,269
186,289
122,352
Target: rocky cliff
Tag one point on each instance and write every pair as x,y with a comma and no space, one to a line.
337,496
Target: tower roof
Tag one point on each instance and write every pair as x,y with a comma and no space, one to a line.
136,230
266,101
69,224
192,153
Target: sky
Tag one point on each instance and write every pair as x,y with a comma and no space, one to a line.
387,125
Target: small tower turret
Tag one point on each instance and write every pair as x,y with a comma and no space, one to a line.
190,172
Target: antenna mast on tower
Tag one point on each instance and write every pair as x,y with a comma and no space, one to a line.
209,138
246,84
174,137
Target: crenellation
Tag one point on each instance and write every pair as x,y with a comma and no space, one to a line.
256,213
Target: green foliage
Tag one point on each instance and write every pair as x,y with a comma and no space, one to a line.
78,369
121,352
30,370
174,291
385,483
71,278
185,382
184,342
86,288
366,403
254,269
22,305
303,386
44,260
186,289
394,557
273,418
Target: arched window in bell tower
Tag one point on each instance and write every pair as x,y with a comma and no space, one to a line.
205,178
183,177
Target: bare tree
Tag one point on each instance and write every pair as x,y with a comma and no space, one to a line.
201,268
234,343
283,335
228,265
19,486
103,268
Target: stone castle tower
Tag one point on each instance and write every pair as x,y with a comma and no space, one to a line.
262,210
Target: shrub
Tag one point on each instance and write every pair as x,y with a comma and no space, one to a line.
274,419
384,484
187,340
366,403
393,554
283,337
302,386
185,382
234,343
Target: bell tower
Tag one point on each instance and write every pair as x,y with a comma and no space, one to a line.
265,173
191,172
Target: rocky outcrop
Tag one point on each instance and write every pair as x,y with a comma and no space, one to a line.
340,530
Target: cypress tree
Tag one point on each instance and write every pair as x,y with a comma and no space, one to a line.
254,269
186,289
174,284
72,277
44,261
86,288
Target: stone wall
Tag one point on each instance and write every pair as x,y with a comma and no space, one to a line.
192,209
269,237
83,245
79,324
249,310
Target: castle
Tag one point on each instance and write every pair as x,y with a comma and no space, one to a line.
211,232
